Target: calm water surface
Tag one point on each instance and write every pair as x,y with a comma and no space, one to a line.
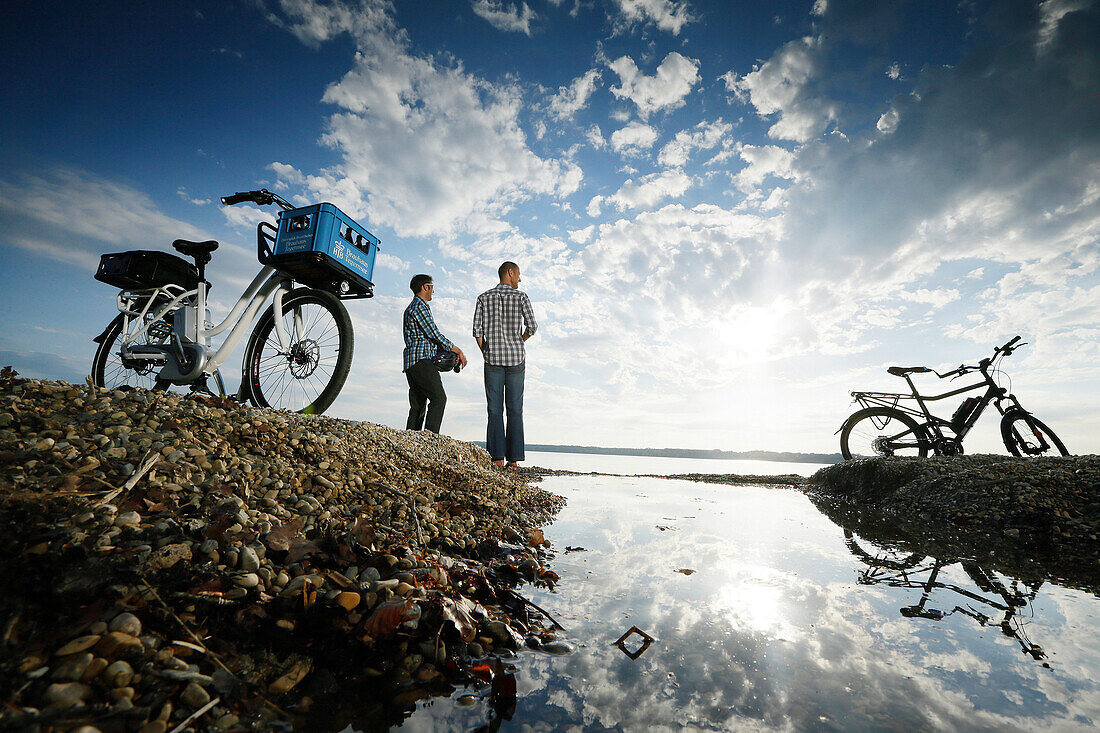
782,623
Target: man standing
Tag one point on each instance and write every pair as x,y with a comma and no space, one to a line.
421,338
503,320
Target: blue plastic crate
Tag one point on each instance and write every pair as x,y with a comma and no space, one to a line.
322,247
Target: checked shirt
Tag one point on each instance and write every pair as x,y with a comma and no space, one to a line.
503,316
421,334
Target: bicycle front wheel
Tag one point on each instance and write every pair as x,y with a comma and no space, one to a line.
310,371
110,370
881,431
1025,435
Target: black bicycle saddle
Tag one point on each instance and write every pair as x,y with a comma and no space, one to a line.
902,371
192,249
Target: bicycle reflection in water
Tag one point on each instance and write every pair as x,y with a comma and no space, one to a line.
1009,597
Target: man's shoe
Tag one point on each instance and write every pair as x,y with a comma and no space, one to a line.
499,464
512,464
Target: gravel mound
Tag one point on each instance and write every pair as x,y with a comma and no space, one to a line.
176,559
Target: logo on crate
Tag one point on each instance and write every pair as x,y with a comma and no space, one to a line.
338,251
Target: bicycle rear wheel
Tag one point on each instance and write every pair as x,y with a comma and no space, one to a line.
882,431
309,374
110,371
1025,435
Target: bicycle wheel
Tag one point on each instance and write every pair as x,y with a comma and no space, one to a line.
882,431
110,371
309,373
1025,435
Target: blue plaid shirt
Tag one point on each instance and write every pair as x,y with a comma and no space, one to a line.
421,334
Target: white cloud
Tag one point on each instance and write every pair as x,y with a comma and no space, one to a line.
651,190
594,207
412,135
894,71
506,16
763,161
633,137
780,86
675,77
74,216
595,137
706,135
668,15
581,236
572,98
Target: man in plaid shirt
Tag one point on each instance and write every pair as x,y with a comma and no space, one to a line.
421,338
503,320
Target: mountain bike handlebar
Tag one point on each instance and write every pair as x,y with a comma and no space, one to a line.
962,369
263,197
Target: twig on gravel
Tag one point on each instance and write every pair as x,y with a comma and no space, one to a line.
196,715
151,459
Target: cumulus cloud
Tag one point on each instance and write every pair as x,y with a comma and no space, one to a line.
666,89
412,132
633,137
573,97
506,16
780,86
668,15
705,136
651,190
763,161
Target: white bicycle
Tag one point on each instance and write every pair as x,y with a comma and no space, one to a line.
300,349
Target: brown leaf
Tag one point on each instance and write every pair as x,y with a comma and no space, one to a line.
536,537
301,547
362,532
279,538
389,615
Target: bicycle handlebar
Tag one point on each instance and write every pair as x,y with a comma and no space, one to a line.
263,197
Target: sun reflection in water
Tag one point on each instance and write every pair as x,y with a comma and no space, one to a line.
755,601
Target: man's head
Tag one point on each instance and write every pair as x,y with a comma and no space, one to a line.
509,274
422,286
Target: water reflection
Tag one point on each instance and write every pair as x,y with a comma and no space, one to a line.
1008,596
787,622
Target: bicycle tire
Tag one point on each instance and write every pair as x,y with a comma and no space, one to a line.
861,432
1015,439
310,374
109,371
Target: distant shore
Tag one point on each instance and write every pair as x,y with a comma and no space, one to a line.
751,455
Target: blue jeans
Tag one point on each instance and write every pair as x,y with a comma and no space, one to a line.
504,390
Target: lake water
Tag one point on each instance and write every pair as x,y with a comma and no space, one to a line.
766,615
590,462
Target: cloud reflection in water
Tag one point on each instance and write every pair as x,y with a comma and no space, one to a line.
772,631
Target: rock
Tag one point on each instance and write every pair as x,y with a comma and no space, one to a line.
169,555
79,644
72,668
118,674
249,561
126,623
118,644
194,696
129,519
348,600
247,580
66,694
293,676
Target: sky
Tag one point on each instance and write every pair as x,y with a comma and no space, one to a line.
728,215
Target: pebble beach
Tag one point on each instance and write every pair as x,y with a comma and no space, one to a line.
179,562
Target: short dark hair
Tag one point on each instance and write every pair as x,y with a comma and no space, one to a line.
418,282
506,268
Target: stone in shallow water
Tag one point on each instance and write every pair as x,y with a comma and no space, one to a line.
79,644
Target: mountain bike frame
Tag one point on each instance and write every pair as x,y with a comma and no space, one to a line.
959,425
187,357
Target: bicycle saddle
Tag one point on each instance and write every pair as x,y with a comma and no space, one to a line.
902,371
193,249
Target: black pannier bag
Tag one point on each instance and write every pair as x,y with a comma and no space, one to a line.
142,269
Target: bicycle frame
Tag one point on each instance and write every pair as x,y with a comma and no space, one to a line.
934,424
189,358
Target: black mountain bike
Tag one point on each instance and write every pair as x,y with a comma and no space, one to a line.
892,424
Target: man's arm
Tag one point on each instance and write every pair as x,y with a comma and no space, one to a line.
479,324
424,318
530,326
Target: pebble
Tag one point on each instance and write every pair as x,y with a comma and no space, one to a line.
126,623
194,696
79,644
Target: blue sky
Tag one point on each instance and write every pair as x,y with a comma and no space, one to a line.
728,215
